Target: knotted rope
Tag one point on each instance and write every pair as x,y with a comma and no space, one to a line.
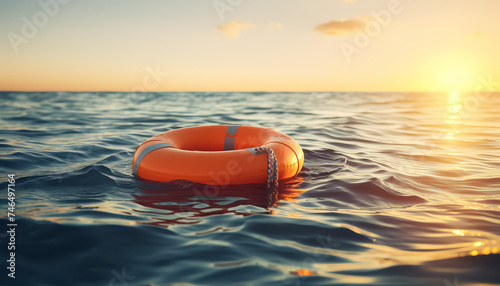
272,167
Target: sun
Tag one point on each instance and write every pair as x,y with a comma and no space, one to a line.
457,78
450,70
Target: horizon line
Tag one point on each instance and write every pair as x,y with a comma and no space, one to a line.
250,91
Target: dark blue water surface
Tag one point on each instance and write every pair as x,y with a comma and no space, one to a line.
397,189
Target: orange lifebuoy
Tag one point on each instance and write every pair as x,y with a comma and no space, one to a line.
216,155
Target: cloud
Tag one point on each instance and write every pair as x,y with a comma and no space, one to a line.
476,35
276,26
337,28
233,29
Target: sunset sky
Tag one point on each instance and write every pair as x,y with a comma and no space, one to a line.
248,45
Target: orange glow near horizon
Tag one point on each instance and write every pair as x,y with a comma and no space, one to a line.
113,52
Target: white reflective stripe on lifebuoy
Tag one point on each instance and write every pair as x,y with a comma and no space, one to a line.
146,151
230,136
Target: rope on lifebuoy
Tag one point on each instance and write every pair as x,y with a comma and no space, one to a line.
272,167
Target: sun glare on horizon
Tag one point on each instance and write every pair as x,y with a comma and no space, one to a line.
457,79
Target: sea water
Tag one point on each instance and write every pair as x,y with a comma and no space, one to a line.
396,189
